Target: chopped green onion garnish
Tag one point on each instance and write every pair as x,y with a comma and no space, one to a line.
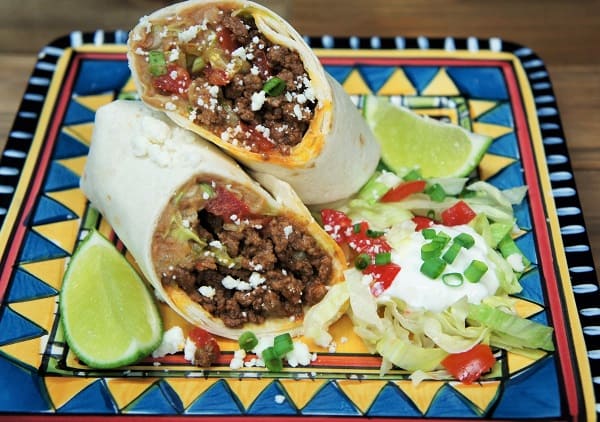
452,279
373,190
475,271
431,214
198,64
271,360
362,261
436,192
274,86
428,233
441,239
414,174
207,191
383,258
356,228
430,250
433,267
374,233
247,341
157,63
452,252
283,344
465,240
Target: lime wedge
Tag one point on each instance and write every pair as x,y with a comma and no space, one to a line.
109,316
409,140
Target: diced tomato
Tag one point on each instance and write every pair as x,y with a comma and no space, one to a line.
403,190
364,241
226,39
383,276
422,222
258,140
226,204
175,81
457,214
207,348
336,224
470,365
261,62
216,76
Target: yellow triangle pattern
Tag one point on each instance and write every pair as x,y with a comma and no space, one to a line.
441,84
28,351
39,311
362,393
422,394
247,390
355,85
491,164
518,362
82,132
479,107
62,389
481,394
62,233
189,389
73,199
491,130
94,102
301,391
76,164
126,390
525,308
397,84
50,271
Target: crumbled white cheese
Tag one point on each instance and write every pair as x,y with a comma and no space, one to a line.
173,341
189,34
287,230
299,355
174,55
256,279
239,52
189,350
231,283
207,291
297,112
169,106
258,99
215,243
237,361
254,70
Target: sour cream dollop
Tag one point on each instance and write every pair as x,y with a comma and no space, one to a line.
420,291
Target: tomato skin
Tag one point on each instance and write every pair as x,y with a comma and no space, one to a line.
257,139
261,62
226,204
422,222
207,348
457,214
468,366
173,85
404,190
336,224
383,276
226,39
215,76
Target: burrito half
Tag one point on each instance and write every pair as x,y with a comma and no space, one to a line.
240,76
221,250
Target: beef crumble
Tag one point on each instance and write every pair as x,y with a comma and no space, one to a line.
225,93
252,268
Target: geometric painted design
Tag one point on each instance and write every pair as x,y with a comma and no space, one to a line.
33,352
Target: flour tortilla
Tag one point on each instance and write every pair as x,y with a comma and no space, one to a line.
338,153
139,159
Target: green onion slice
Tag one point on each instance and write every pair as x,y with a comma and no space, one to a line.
430,250
198,64
428,233
283,344
436,192
383,258
414,174
356,228
452,279
452,252
362,261
247,341
374,233
274,86
475,271
465,239
157,63
433,267
271,360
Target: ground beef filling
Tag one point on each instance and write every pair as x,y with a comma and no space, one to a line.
226,95
276,269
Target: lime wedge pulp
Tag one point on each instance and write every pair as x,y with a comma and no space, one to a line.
409,140
109,316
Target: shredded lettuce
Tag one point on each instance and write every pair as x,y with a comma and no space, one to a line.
379,215
319,318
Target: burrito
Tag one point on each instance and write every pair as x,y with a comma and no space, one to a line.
223,251
240,76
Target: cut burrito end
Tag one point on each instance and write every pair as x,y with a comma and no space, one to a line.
225,70
225,253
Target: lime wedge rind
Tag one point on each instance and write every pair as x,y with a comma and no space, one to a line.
100,289
409,140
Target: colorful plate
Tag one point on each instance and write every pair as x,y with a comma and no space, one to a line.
488,86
